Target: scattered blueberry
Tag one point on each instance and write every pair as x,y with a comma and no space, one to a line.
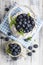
29,54
6,9
33,51
9,33
25,40
35,46
6,39
1,37
30,47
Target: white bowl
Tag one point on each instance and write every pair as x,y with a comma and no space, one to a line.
13,12
14,42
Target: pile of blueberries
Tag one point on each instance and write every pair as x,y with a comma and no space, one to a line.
15,49
24,23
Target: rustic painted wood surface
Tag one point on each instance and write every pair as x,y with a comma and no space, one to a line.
35,59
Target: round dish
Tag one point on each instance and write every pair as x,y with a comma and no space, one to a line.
14,51
14,14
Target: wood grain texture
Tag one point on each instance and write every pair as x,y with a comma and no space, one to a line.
35,59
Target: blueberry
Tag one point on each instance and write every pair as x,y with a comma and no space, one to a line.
25,23
30,28
26,28
18,53
24,19
6,39
14,53
21,20
32,19
6,9
30,47
20,16
24,15
1,37
35,46
18,26
28,25
33,51
9,33
20,23
33,23
15,45
16,50
18,47
19,50
25,40
29,54
11,45
28,21
17,20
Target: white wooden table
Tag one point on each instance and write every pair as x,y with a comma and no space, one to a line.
35,59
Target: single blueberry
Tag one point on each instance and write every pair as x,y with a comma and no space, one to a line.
33,23
9,33
16,50
25,19
6,9
23,25
29,54
11,45
17,20
1,37
30,47
24,15
6,39
14,45
33,51
30,28
28,21
18,53
20,16
25,40
25,22
20,23
35,46
19,50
